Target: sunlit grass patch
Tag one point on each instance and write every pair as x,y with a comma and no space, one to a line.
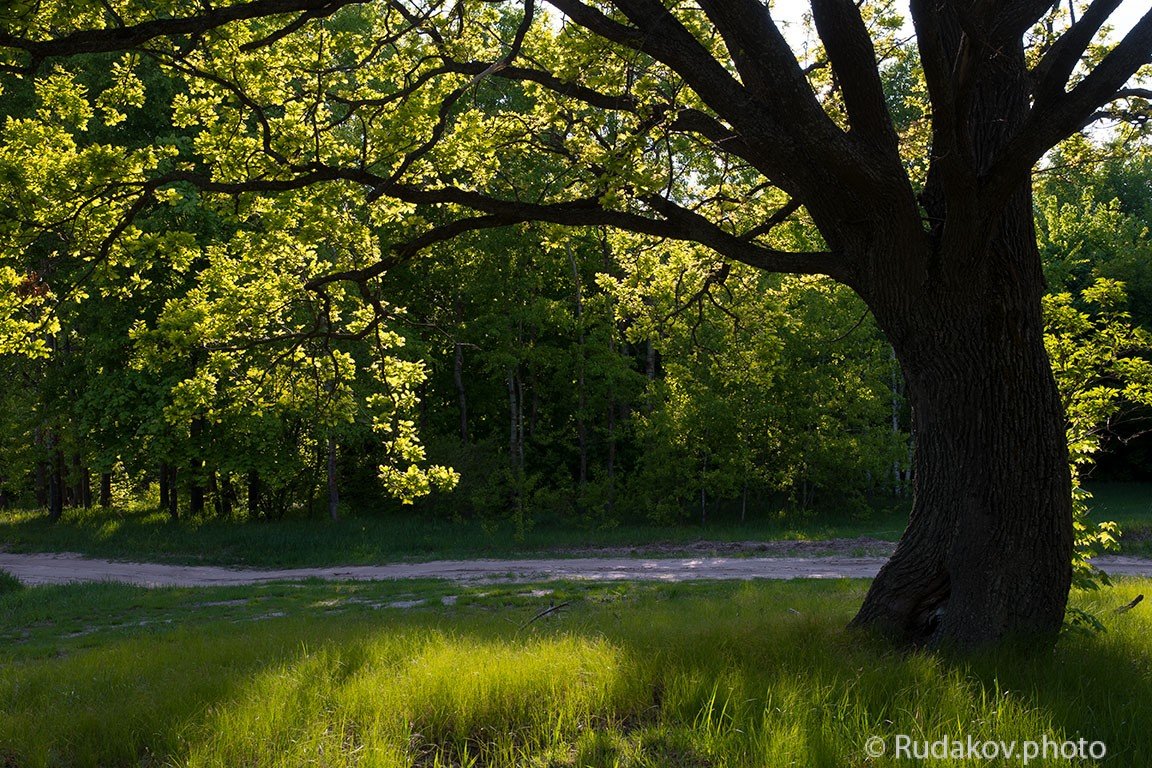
721,674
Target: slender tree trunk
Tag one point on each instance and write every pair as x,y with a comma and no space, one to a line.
704,493
520,421
41,482
516,419
196,472
165,485
513,419
581,389
611,465
227,495
254,490
41,478
173,493
333,486
76,487
56,480
105,489
461,395
214,493
86,487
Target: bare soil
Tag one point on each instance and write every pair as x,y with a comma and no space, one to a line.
842,558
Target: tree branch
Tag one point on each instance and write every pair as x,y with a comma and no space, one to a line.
124,38
853,58
677,223
1051,73
1050,122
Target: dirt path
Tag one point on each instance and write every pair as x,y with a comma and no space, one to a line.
67,567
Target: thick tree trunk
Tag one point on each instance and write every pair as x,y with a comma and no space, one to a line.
987,553
986,558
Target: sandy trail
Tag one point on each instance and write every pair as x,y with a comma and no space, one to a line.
60,568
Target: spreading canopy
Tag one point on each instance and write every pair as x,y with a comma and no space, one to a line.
687,121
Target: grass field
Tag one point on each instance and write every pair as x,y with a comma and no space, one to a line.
145,534
728,674
1130,505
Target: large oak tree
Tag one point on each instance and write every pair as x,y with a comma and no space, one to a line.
695,122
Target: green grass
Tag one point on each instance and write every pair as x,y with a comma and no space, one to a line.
145,534
1130,505
730,674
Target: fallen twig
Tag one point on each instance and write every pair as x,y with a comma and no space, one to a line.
549,610
1135,602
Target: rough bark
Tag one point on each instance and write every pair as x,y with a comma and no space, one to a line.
987,553
988,548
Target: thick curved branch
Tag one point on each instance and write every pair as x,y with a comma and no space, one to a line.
134,35
567,88
659,34
676,222
769,69
853,58
952,156
1050,122
767,65
1051,73
1019,16
413,247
